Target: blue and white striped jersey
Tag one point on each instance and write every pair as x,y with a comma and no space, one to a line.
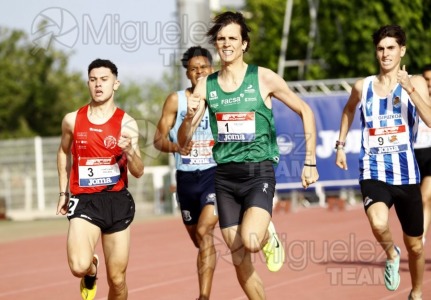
389,127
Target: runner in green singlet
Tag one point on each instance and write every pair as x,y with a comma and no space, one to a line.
239,99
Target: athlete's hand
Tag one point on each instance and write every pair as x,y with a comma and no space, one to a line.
187,149
63,205
403,79
193,103
309,176
340,159
125,142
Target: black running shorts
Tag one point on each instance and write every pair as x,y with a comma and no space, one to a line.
110,211
240,186
407,200
423,158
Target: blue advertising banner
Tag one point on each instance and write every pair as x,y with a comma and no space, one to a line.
291,140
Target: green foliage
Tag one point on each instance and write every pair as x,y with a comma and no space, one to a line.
266,16
36,89
343,41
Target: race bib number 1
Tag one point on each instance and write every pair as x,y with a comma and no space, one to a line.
236,126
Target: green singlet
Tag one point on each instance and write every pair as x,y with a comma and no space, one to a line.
242,125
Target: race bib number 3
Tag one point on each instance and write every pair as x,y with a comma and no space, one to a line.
236,127
201,153
388,139
97,171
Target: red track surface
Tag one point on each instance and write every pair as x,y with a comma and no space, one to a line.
330,255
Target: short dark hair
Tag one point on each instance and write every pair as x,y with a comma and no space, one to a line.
225,19
103,63
193,52
426,68
393,31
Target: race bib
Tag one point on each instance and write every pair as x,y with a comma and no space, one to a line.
97,171
201,153
391,139
236,127
73,203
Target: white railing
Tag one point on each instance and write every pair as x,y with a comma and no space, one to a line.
322,87
29,181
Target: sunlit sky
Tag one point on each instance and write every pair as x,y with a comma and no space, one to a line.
134,34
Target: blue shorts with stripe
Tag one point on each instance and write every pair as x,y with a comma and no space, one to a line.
195,189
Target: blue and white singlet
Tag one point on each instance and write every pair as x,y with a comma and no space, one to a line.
389,127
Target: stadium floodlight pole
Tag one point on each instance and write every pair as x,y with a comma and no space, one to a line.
285,37
314,7
194,17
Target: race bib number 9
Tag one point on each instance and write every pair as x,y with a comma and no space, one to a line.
391,139
97,171
236,127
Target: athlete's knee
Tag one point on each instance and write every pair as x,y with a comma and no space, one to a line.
117,281
379,226
205,233
415,250
426,199
79,267
252,243
253,248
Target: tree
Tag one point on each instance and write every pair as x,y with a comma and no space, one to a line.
343,40
37,91
36,88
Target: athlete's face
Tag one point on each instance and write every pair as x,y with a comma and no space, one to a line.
389,53
102,84
198,67
229,43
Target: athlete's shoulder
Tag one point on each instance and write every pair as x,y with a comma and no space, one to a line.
172,98
71,116
68,122
359,84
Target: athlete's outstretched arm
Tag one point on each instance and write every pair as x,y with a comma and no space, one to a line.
64,161
346,121
272,85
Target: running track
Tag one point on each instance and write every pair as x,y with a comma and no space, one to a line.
330,255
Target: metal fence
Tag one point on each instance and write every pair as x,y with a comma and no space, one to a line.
29,181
